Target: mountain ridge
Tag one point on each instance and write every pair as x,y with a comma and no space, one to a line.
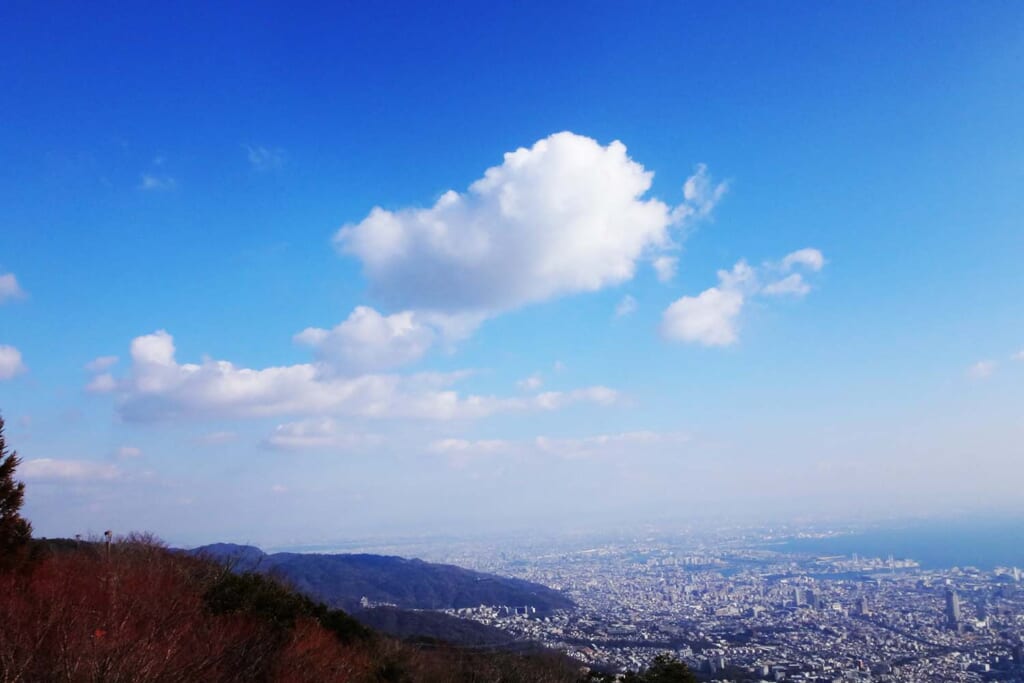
344,579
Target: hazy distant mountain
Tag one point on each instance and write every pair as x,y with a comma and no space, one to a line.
243,557
343,580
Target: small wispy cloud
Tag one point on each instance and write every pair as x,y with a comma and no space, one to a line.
791,284
152,182
101,384
983,369
129,452
215,438
319,433
701,194
811,258
625,307
1018,356
465,446
101,364
11,364
622,444
9,288
665,268
265,158
76,470
531,383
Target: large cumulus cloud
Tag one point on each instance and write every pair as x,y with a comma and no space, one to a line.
566,215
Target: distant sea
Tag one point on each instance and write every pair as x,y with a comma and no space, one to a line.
984,544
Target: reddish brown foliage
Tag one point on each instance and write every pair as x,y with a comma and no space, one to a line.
313,654
137,615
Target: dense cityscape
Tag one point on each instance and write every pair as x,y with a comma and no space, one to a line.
742,607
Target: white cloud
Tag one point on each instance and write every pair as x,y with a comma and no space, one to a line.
983,369
665,267
158,387
368,341
462,452
155,349
278,488
708,318
128,452
9,288
555,400
712,317
215,438
531,383
811,258
792,284
623,444
625,307
155,182
101,384
1018,356
101,364
566,215
601,445
701,195
265,158
320,433
471,448
11,363
78,470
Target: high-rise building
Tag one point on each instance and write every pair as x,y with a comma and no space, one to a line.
952,610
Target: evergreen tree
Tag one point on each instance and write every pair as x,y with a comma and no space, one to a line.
664,669
15,531
668,669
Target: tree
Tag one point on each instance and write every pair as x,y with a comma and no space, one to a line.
664,669
15,531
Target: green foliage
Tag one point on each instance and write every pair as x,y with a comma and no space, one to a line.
432,627
667,669
664,669
258,595
15,531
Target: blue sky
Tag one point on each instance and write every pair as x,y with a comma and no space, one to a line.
509,356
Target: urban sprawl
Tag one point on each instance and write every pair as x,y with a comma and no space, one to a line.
735,609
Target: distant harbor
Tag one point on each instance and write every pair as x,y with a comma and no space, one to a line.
985,544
